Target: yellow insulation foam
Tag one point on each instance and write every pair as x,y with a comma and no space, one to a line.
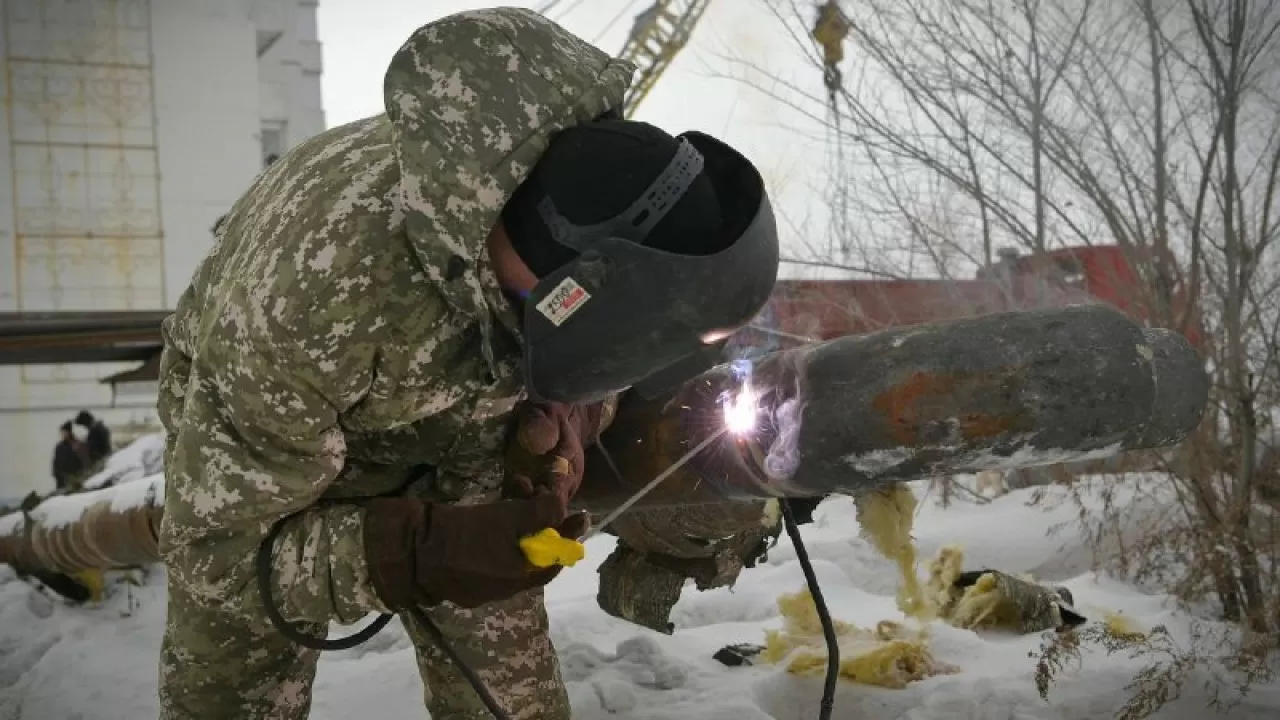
886,518
890,655
979,606
1122,626
94,581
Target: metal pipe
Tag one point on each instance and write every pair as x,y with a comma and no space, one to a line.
102,535
994,392
842,416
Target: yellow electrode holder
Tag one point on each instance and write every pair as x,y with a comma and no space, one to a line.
548,547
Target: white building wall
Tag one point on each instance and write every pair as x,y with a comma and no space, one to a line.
206,102
289,92
129,127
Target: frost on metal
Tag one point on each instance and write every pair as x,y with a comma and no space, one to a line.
884,461
880,461
1030,456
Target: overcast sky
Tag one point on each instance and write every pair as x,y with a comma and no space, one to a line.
360,36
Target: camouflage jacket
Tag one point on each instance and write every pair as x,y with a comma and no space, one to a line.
347,328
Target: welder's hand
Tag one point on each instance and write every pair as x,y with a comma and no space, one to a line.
421,553
557,435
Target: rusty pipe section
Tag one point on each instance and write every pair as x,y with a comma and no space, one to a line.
995,392
96,529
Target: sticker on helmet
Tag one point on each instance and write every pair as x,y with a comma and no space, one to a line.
566,299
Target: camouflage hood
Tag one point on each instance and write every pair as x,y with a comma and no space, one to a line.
474,100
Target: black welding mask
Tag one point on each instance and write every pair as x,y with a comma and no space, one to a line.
621,312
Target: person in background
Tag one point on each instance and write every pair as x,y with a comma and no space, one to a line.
95,435
69,459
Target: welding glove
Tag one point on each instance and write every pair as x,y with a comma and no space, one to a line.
421,553
551,441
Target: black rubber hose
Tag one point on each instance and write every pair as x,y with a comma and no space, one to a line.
824,615
296,635
470,675
288,629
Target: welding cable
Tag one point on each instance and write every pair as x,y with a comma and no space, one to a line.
288,629
811,580
820,605
468,673
291,631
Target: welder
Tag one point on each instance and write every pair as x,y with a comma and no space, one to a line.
492,260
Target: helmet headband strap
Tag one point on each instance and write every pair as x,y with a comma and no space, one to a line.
637,221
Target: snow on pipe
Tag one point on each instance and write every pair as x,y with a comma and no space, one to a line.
995,392
114,527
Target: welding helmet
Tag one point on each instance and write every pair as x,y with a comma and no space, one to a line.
638,295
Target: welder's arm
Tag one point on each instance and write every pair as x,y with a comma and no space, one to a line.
254,440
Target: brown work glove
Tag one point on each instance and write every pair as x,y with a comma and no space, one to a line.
421,553
558,434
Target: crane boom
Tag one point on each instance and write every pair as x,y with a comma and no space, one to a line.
658,35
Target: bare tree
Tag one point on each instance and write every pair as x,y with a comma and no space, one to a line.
1152,125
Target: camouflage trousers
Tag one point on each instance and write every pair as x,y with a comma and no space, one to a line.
214,665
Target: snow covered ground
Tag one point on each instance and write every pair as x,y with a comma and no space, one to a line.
59,662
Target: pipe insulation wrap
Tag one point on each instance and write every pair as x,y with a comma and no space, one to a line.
114,527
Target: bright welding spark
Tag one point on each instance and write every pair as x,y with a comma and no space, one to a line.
742,411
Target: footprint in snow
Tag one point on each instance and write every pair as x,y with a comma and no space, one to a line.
614,679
